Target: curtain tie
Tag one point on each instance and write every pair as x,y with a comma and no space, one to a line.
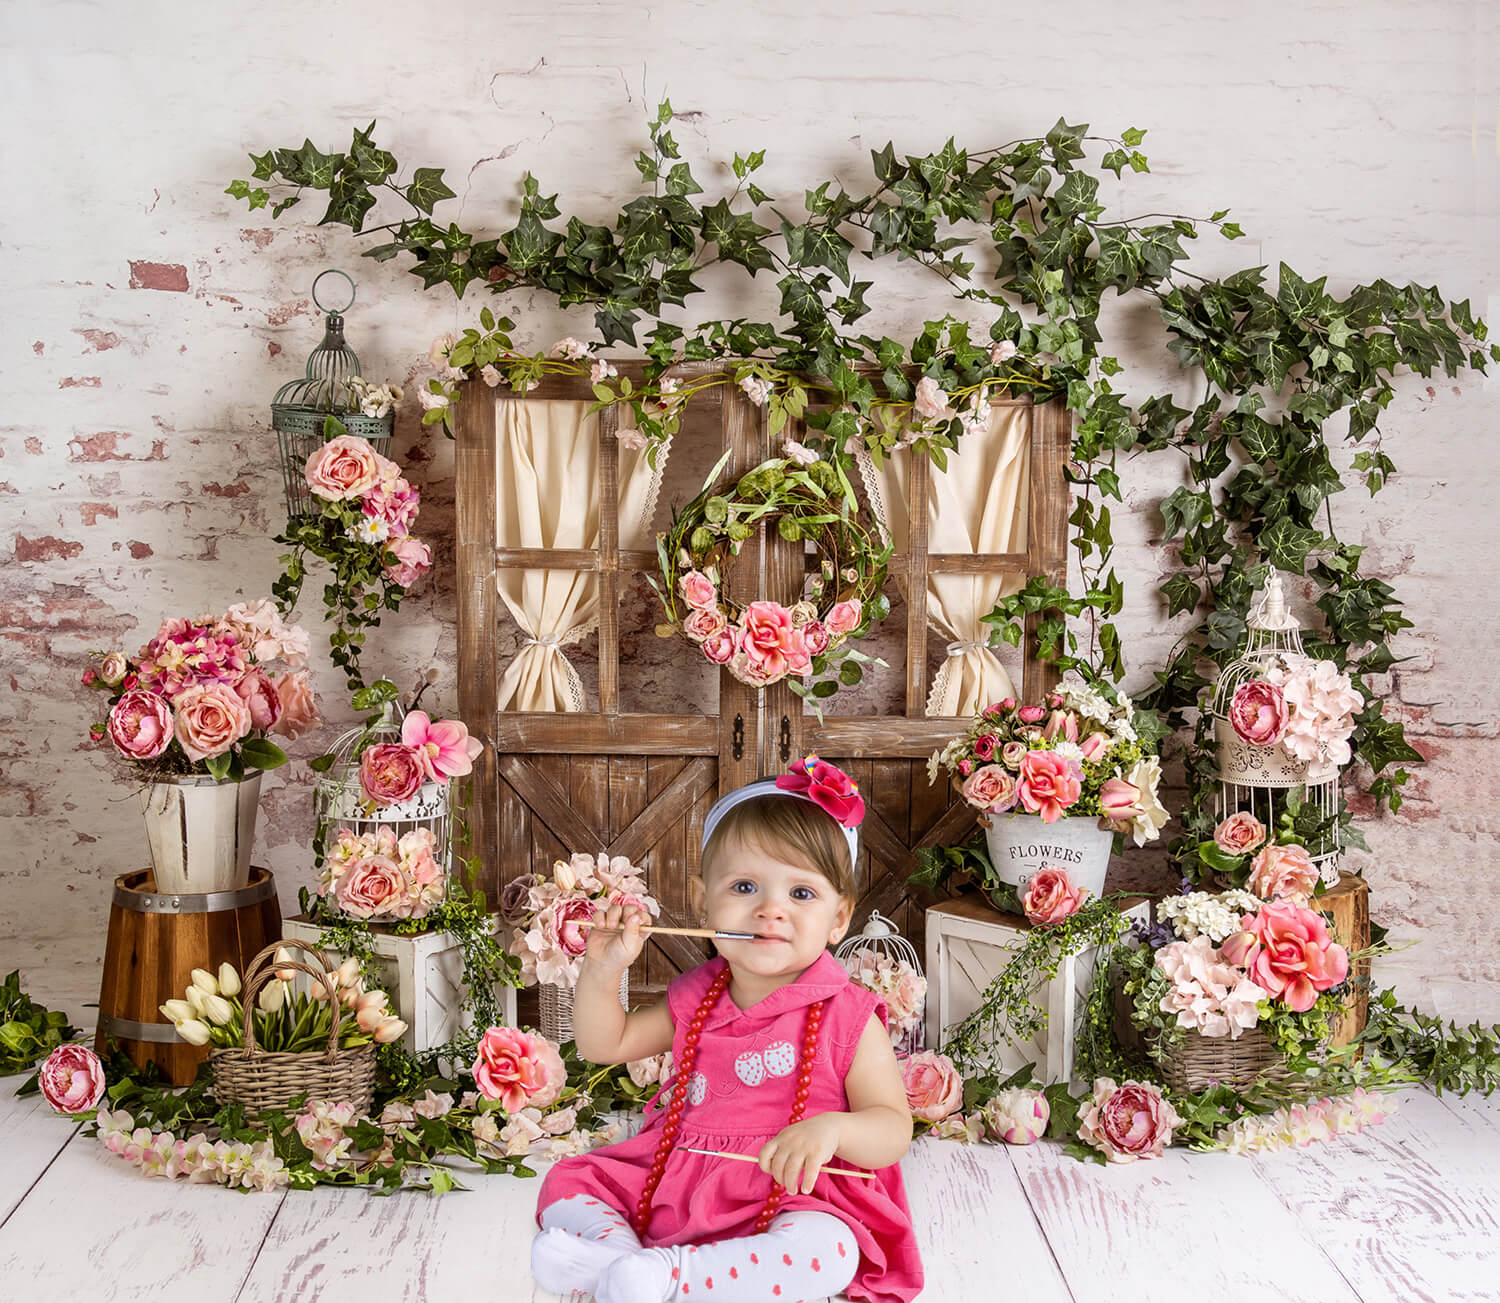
546,640
964,648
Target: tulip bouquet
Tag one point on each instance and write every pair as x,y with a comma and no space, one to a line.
211,1013
203,694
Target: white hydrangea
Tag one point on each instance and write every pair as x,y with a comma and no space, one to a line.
947,758
1079,697
1204,913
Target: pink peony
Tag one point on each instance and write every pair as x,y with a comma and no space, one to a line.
299,712
815,637
703,623
1257,713
1049,784
1127,1122
769,640
344,468
413,560
990,788
844,618
1239,834
720,649
1283,873
1017,1116
1287,950
390,772
259,694
1050,897
520,1069
566,935
698,590
372,887
827,786
140,725
210,719
444,749
934,1090
72,1079
984,746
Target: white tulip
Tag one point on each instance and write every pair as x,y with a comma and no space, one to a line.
284,956
348,972
229,980
371,1000
205,982
391,1029
194,1032
178,1011
317,991
218,1010
272,995
369,1020
195,998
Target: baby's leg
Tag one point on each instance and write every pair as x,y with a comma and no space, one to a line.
580,1237
804,1255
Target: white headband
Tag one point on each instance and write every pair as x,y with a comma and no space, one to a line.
767,787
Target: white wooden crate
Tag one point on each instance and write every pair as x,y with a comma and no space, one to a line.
968,943
425,976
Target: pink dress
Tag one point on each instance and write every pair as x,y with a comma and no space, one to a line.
740,1096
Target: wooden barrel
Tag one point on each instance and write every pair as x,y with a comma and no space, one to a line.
1347,907
155,941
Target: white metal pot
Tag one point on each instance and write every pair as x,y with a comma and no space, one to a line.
200,832
1020,844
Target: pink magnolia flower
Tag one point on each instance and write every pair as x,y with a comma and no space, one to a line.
390,772
815,637
1017,1116
1283,873
518,1068
413,560
372,887
720,649
845,618
698,590
1239,834
444,748
1127,1122
934,1090
1049,784
259,694
769,639
1257,713
344,468
210,719
827,786
1287,950
1050,897
72,1079
991,788
704,623
299,712
140,725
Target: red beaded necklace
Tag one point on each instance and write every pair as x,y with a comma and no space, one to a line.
673,1124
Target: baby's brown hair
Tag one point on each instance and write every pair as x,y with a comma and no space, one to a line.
787,826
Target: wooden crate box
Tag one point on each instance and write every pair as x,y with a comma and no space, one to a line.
969,942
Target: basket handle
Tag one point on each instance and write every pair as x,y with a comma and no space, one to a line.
264,973
264,957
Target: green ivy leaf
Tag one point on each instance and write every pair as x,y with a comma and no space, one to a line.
427,189
1182,595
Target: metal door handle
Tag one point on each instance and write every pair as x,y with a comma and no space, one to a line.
786,738
738,737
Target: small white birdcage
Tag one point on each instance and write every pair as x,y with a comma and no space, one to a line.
1258,779
882,960
339,802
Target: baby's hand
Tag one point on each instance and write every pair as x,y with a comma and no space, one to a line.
621,946
794,1155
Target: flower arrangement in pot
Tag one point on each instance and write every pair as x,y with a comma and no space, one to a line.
192,712
1054,783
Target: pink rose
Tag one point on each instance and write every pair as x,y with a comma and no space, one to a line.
631,439
372,886
1003,351
413,560
827,786
1050,783
703,623
140,725
210,720
990,788
797,659
343,468
1119,800
720,649
1094,746
755,672
1240,834
845,618
260,697
984,746
1032,714
768,639
651,1071
444,748
113,668
1257,713
698,590
299,712
930,401
566,934
1012,753
390,772
518,1068
1127,1122
966,766
1287,950
1050,897
934,1090
72,1079
1282,873
815,637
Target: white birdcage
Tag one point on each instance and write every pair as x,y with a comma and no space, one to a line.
1258,779
881,939
339,802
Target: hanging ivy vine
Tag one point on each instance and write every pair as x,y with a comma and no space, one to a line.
1288,370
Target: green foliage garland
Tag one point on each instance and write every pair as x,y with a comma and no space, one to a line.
28,1032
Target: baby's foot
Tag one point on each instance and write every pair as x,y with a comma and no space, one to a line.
563,1262
644,1277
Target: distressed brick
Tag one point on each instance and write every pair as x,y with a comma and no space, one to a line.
140,551
98,341
105,446
46,548
236,490
33,445
38,347
158,276
91,511
79,382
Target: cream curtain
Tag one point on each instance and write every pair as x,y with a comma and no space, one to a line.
546,495
978,505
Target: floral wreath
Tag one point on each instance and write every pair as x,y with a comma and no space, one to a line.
763,642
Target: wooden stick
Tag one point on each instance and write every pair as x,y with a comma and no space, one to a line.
719,935
751,1158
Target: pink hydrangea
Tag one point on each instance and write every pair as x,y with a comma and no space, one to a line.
1209,994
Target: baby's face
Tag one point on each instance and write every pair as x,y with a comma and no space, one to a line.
798,908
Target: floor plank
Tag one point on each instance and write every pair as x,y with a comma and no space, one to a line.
1410,1209
94,1227
1183,1227
31,1136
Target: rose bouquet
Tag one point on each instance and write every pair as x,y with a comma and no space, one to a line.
378,875
895,981
545,913
1301,705
204,694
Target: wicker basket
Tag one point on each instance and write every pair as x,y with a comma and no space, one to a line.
259,1080
555,1008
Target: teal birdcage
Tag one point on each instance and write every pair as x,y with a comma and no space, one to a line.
301,408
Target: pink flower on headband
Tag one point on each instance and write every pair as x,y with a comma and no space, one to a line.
828,787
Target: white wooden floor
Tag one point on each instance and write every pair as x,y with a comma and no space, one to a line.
1409,1210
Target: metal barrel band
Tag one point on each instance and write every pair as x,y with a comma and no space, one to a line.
207,902
127,1029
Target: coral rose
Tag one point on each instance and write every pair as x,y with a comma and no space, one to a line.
844,618
990,788
1283,873
769,639
1239,834
259,694
698,590
827,786
1050,897
299,712
344,468
210,719
140,725
390,772
518,1068
1049,784
372,887
934,1090
1257,713
1127,1122
720,649
72,1079
704,622
1287,950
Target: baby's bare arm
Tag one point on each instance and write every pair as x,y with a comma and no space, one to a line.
602,1030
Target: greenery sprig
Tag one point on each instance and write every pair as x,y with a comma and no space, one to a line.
28,1032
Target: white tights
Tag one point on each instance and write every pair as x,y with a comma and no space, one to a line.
586,1245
